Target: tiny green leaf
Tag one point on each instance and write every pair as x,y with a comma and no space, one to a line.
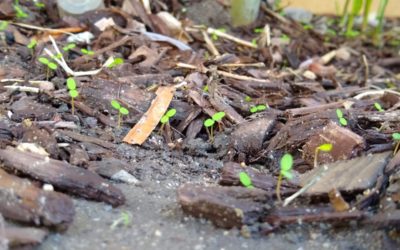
20,13
258,30
247,98
164,119
32,44
115,104
261,107
218,116
71,84
396,136
339,113
40,5
343,121
52,65
205,89
253,109
286,162
245,179
69,46
287,174
170,113
73,93
43,60
84,51
325,147
117,61
378,107
124,111
3,25
209,123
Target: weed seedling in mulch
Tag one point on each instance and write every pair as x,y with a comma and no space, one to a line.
71,85
209,124
214,35
69,46
19,12
121,110
396,138
32,44
117,61
125,219
341,118
165,118
378,107
258,108
245,180
87,52
326,147
50,65
285,170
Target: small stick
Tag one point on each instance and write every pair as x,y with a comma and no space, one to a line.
210,45
365,60
23,88
232,38
234,65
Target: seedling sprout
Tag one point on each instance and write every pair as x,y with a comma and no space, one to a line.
71,85
87,52
286,167
125,219
20,13
50,65
327,147
69,46
378,107
121,110
339,115
245,180
117,61
32,44
214,35
165,118
3,25
209,123
396,138
258,108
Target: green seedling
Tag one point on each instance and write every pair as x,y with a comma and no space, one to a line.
71,85
165,118
40,5
379,28
258,30
209,123
205,88
285,170
367,8
87,52
125,219
214,35
355,10
69,46
32,44
258,108
327,147
247,98
285,38
117,61
3,25
121,110
254,41
396,138
20,13
50,65
340,117
245,180
307,26
378,107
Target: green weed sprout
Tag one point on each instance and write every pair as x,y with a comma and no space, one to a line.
69,46
71,85
3,25
125,219
209,123
258,30
258,108
20,13
87,52
50,65
285,38
121,110
367,8
165,118
117,61
245,180
32,44
355,10
378,107
396,138
340,117
40,4
379,27
286,167
247,98
326,147
214,35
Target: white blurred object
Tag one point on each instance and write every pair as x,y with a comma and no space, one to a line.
83,37
77,7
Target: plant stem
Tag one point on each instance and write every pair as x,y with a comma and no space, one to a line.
212,133
345,13
315,157
119,119
72,106
396,147
278,188
367,7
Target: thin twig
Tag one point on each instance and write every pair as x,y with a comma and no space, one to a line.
23,88
365,61
230,37
210,45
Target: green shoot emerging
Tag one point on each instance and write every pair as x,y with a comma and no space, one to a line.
165,118
247,98
378,107
125,219
327,147
3,25
214,35
32,44
50,65
209,123
71,85
69,46
340,117
87,52
20,13
40,5
121,111
245,180
117,61
258,108
396,138
286,167
355,10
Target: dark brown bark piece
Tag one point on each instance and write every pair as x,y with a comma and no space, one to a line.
62,175
353,175
249,136
43,138
226,207
84,138
384,220
22,201
346,144
27,108
22,236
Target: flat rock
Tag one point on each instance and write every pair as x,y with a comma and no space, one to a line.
352,175
62,175
226,207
